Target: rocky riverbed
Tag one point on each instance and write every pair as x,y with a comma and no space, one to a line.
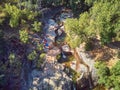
52,75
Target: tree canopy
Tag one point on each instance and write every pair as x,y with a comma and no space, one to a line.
109,77
102,20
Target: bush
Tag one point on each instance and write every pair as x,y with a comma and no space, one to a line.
2,17
109,77
40,47
14,13
71,58
40,60
32,55
29,15
58,56
36,26
23,36
42,55
74,74
12,58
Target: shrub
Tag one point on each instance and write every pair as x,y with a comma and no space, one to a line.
32,55
12,58
14,13
23,36
58,56
74,74
109,77
40,60
40,47
36,26
42,55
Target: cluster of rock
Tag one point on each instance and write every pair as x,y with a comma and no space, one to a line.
52,78
52,75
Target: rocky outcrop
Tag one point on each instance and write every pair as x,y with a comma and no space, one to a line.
52,75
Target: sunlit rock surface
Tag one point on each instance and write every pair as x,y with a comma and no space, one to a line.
51,78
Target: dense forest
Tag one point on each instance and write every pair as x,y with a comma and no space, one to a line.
93,25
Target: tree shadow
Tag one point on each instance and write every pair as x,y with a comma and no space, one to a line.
114,45
100,52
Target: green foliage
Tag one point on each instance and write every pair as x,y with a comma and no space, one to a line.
71,58
29,14
40,60
73,4
103,70
32,55
115,76
36,26
42,55
74,74
29,4
78,30
72,27
106,20
12,58
116,69
14,13
23,36
58,56
109,77
40,47
103,20
90,2
73,41
2,15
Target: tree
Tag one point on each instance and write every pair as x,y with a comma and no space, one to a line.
12,58
103,72
40,47
40,60
2,15
115,71
14,14
79,30
71,28
23,36
101,21
32,55
36,26
109,77
106,19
